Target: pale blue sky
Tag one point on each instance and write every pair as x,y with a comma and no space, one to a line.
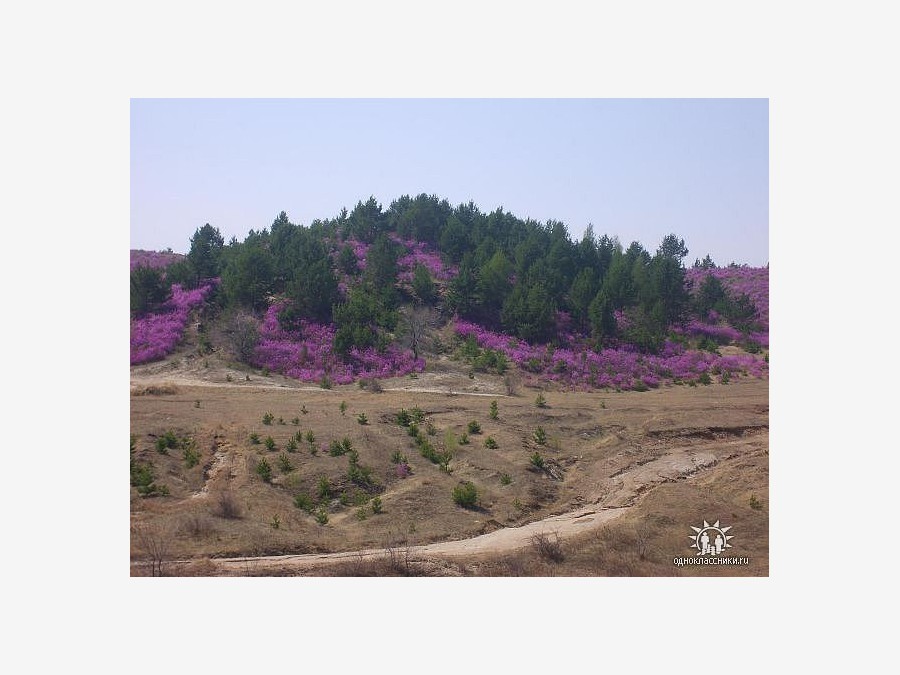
636,168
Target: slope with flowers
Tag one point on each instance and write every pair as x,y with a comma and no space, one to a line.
373,278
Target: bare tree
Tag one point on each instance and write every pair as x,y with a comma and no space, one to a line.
418,322
154,542
243,335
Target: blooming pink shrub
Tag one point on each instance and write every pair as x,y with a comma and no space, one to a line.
580,367
307,354
155,336
155,259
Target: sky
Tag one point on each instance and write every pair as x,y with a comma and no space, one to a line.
637,169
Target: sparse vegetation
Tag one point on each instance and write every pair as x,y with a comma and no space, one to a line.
537,461
362,418
490,443
540,401
474,427
494,411
343,408
505,479
322,516
540,436
254,439
377,506
268,418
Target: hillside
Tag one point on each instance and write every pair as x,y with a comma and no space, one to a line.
491,398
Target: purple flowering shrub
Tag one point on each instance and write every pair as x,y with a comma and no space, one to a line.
307,354
155,335
579,367
750,281
419,254
154,259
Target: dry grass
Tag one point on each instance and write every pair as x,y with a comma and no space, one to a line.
220,507
155,390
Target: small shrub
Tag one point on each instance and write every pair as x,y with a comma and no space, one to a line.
246,378
540,436
229,378
268,418
362,513
291,445
537,461
343,408
264,470
335,449
403,418
755,503
490,443
166,442
266,372
540,401
495,411
254,439
377,506
269,443
464,439
310,437
276,522
323,488
548,547
325,383
284,463
603,405
346,444
191,457
413,430
417,415
726,377
362,419
344,499
465,494
704,378
321,516
474,427
505,479
303,410
227,506
430,429
304,502
398,457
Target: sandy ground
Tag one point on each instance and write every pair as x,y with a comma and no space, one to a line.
608,452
